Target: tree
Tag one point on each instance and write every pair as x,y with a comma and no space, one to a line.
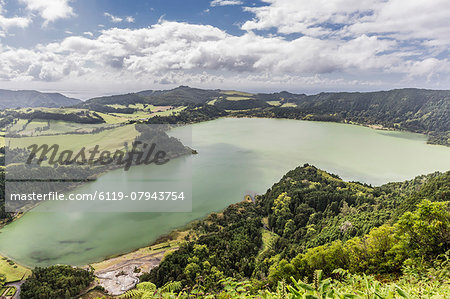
424,233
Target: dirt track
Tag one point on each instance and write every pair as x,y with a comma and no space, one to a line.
119,275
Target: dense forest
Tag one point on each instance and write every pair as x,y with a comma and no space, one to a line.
415,110
82,116
56,282
192,114
310,221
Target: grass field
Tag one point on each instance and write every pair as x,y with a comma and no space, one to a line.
107,140
289,105
60,132
112,119
13,272
169,112
31,127
117,106
237,98
139,106
143,113
58,126
136,115
238,93
11,291
212,102
268,238
274,103
18,126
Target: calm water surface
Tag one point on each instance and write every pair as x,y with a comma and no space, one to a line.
236,156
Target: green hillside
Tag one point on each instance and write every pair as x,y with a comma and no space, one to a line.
312,220
416,110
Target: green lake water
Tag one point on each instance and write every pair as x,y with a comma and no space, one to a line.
235,157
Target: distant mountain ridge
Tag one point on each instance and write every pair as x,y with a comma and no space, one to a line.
180,96
410,109
10,99
416,110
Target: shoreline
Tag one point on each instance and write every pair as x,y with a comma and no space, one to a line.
379,127
375,127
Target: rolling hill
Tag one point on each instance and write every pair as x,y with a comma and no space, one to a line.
11,99
416,110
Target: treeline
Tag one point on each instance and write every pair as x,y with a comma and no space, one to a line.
192,114
56,282
419,238
109,109
410,109
82,116
240,105
310,207
441,136
415,110
180,96
312,220
227,247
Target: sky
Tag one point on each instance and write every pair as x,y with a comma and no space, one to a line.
86,48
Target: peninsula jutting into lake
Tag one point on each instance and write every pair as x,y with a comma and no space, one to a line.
230,149
239,152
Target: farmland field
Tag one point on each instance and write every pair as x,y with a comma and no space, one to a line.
110,139
13,271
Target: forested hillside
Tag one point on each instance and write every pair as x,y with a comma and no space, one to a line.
312,220
415,110
180,96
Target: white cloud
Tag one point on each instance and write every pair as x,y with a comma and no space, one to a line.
113,19
6,23
88,33
396,19
306,17
225,2
116,19
50,10
407,19
172,46
21,22
182,53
